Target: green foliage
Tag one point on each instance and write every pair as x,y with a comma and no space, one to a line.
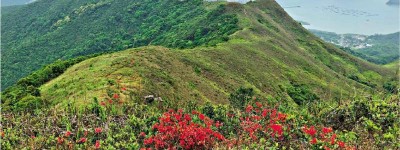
241,97
301,94
368,116
29,103
391,86
63,31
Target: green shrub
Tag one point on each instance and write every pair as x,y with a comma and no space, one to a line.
29,103
301,94
241,97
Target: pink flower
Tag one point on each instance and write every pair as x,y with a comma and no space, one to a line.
115,96
98,130
97,145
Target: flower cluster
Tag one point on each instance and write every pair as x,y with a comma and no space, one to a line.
326,137
178,130
259,122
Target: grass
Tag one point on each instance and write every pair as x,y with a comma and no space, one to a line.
268,53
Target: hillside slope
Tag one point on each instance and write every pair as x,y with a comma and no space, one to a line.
272,54
40,33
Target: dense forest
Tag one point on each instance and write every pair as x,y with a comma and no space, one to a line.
32,37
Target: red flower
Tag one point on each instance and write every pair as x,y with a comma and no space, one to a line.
310,131
98,130
259,105
187,118
123,89
264,113
333,139
148,141
341,144
82,140
102,103
201,116
282,117
33,137
142,134
313,141
218,124
219,136
277,128
326,130
110,101
60,140
249,108
115,96
3,134
97,145
327,148
174,131
67,134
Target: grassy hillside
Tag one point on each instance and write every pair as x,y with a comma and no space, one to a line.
272,85
45,31
272,53
394,65
379,49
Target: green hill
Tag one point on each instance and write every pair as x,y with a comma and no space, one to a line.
45,31
271,53
255,80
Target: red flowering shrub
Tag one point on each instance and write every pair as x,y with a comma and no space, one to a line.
177,130
258,122
326,138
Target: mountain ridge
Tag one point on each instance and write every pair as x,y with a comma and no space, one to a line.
270,53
